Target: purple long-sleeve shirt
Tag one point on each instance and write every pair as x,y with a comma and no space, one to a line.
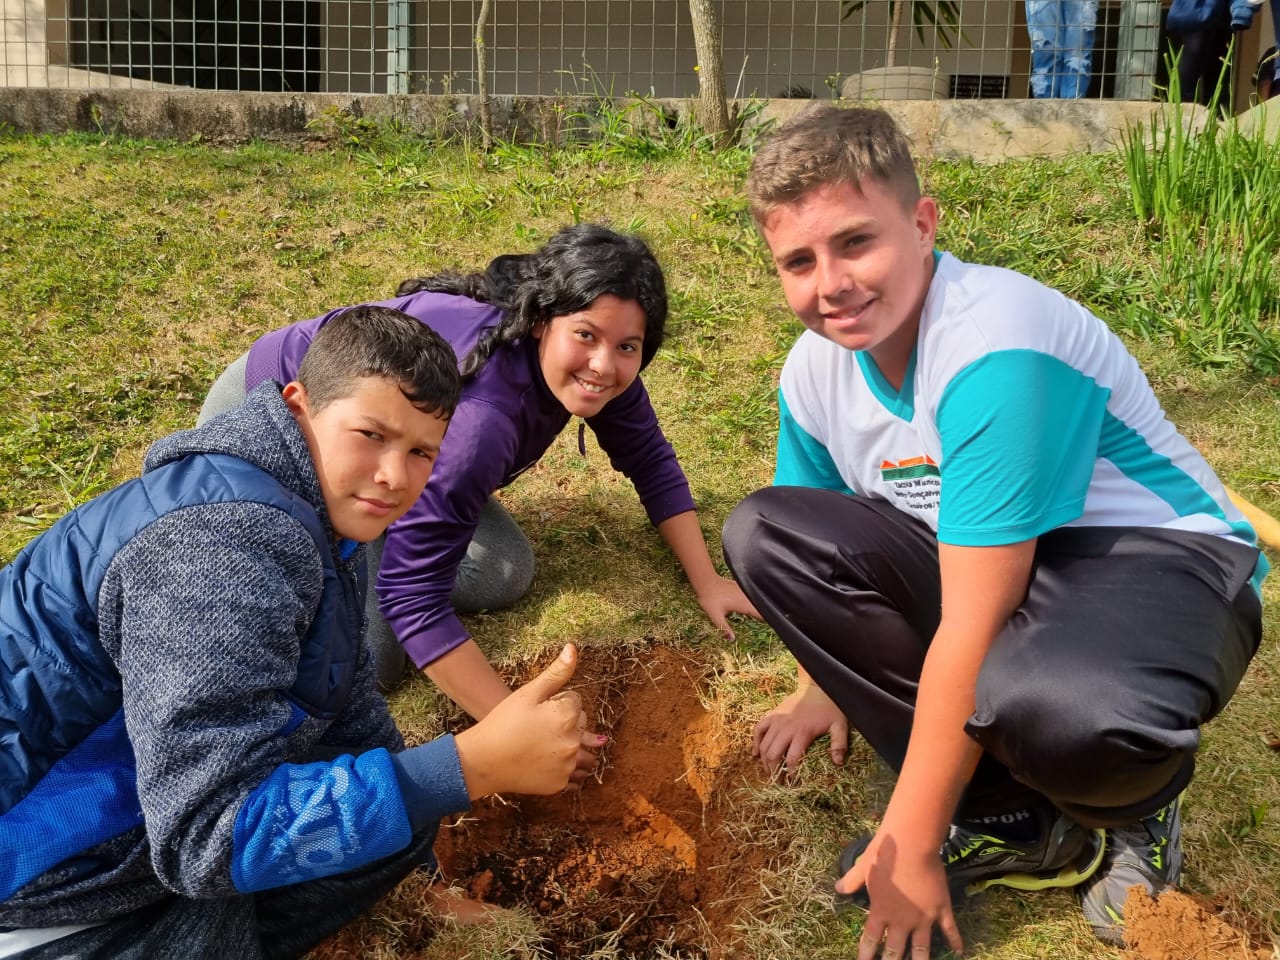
506,420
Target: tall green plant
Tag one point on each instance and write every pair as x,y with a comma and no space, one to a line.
1206,198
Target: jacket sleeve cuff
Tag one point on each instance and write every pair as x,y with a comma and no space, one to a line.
431,781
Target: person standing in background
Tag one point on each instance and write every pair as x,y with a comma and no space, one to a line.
1267,79
1201,32
1061,33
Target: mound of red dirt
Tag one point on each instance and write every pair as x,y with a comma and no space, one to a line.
645,857
1182,926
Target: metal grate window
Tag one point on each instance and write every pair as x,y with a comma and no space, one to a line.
771,48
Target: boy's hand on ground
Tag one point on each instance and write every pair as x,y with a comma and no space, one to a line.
784,733
909,896
722,596
529,742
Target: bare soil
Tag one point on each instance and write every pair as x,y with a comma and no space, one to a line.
1183,926
652,856
645,856
648,856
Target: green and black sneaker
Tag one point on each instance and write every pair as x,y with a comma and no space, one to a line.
1062,854
1147,853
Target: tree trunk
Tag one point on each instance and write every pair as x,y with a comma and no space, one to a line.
891,57
482,76
711,107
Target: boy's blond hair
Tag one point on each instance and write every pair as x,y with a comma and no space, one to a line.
829,145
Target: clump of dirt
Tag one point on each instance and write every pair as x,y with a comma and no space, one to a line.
644,857
1181,926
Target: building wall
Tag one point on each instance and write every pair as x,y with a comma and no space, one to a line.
646,46
23,41
355,46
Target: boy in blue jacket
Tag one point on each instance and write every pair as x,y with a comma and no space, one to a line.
196,762
988,549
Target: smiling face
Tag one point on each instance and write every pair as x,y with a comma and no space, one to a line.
373,452
591,356
856,265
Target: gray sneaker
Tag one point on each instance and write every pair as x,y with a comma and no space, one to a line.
1147,853
1064,854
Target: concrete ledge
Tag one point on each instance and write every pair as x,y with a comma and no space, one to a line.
985,130
1263,119
989,131
232,117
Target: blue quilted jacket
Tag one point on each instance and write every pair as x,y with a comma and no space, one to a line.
186,705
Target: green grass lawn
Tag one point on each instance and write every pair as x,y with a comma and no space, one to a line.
132,272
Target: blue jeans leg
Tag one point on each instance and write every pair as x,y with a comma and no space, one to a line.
1080,20
1062,36
1042,28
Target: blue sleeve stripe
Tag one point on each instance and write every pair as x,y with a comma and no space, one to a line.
1133,456
1129,451
307,821
1014,470
802,460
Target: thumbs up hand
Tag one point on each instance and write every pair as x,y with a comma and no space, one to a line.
529,742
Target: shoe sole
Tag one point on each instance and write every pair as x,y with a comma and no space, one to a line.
1081,868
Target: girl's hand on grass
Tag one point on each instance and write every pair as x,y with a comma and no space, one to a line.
722,596
784,733
908,891
591,742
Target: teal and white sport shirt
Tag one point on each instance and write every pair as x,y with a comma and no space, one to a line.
1021,412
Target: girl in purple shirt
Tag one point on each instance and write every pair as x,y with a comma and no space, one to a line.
561,332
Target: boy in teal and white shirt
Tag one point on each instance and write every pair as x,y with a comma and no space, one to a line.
989,550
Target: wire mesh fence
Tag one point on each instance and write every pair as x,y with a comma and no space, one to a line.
771,48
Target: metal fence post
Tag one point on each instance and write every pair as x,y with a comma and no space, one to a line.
1137,49
398,47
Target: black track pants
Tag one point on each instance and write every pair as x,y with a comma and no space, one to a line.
1093,695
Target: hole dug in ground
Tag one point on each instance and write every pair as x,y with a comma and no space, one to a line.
655,858
644,858
647,861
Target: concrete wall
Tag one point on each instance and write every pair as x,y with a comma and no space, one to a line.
354,46
22,42
596,46
987,130
33,49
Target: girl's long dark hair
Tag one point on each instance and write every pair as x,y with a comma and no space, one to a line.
566,274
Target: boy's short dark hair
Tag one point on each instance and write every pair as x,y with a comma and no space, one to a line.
372,341
828,145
